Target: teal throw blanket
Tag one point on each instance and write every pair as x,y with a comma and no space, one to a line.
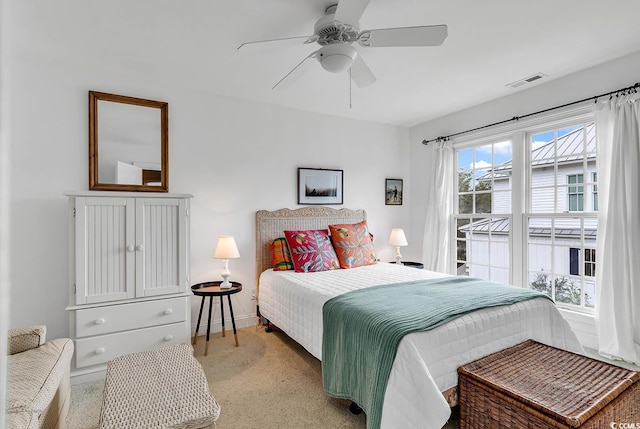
363,328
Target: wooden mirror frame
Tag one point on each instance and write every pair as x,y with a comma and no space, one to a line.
94,183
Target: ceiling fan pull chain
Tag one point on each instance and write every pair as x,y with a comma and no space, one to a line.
350,106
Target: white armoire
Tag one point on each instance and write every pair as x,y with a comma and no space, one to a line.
129,274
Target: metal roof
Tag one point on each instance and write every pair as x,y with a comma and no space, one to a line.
567,149
501,226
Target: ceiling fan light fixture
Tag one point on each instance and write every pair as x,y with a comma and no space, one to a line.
337,57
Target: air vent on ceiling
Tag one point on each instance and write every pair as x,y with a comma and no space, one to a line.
526,80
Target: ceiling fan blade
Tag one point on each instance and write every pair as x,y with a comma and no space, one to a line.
361,73
292,77
428,35
350,11
273,40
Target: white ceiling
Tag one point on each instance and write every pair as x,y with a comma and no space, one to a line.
193,43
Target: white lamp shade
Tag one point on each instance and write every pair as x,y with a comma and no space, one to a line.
226,248
397,238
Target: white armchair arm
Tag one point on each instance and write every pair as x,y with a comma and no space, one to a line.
22,339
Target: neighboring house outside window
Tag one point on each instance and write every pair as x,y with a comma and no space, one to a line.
559,221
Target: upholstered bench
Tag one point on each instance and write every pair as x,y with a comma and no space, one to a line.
164,388
531,385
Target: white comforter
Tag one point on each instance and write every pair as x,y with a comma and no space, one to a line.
426,363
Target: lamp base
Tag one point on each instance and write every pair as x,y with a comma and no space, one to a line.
398,256
226,284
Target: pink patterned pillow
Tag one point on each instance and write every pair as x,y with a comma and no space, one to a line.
311,250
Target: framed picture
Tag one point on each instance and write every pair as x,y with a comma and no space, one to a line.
393,192
319,186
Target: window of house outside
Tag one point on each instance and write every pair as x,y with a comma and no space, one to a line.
559,212
576,192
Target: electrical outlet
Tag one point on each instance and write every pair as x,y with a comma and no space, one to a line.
253,295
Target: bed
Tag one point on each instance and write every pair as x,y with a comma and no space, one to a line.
423,379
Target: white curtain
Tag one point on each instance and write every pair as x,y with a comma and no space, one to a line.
440,181
618,243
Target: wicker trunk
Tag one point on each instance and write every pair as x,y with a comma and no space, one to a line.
533,386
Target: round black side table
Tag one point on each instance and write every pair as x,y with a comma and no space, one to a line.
211,289
418,265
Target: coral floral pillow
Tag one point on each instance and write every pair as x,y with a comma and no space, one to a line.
280,256
311,250
353,244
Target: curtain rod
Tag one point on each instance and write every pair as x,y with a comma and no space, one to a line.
617,92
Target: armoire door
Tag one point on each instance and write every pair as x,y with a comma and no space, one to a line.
161,237
105,249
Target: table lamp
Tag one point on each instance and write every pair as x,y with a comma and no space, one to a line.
226,249
397,238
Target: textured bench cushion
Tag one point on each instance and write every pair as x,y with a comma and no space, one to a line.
35,375
164,388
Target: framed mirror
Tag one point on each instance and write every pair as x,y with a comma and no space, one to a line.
128,143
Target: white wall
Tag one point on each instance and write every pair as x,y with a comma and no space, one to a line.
234,156
4,205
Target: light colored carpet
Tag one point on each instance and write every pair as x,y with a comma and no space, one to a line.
268,382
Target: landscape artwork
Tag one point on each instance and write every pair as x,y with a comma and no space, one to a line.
319,186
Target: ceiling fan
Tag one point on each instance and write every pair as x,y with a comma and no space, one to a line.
338,30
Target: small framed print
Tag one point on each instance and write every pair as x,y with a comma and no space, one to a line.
393,192
319,186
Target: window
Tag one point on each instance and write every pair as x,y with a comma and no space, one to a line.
576,192
590,262
554,223
483,220
574,261
561,231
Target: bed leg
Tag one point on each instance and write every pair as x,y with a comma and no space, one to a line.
355,409
268,328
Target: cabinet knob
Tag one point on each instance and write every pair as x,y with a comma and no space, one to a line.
168,337
139,247
130,248
99,321
168,311
100,350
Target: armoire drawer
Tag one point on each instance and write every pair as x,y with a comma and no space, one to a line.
101,349
123,317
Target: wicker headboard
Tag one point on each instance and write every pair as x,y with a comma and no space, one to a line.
271,224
